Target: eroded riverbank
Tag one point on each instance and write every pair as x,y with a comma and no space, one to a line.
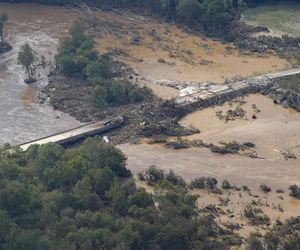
160,52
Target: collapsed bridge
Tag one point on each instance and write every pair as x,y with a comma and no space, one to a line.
206,94
193,96
78,133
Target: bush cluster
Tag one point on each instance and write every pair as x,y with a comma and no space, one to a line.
154,175
78,58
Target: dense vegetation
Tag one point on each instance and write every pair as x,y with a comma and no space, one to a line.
212,16
78,58
84,198
282,236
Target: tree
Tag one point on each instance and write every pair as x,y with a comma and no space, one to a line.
217,14
14,198
6,227
102,180
98,97
173,237
28,240
189,10
26,58
3,20
76,52
153,175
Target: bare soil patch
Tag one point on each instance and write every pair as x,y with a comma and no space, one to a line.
162,51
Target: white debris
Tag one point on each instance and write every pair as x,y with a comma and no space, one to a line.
105,139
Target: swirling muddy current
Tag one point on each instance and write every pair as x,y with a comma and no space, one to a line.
22,118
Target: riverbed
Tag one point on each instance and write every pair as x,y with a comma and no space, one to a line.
22,118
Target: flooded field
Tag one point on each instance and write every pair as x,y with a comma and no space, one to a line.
274,131
279,18
21,117
238,200
195,162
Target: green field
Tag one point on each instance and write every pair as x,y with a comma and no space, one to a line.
279,18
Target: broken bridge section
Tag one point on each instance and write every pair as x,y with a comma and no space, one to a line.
73,135
199,95
284,73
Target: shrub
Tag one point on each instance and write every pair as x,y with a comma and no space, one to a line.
254,243
265,188
153,175
175,179
205,183
161,60
256,215
226,184
117,92
295,191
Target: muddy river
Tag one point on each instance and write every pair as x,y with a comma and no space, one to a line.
279,18
21,117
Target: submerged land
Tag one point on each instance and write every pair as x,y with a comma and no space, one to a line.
250,139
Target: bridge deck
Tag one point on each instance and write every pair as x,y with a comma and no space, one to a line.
284,73
75,134
222,89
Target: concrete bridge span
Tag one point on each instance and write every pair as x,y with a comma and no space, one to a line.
75,134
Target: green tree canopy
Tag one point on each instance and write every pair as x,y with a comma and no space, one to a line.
26,58
189,10
84,198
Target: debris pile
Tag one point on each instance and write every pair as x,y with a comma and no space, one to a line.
4,47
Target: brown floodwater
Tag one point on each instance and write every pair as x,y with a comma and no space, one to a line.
275,130
22,118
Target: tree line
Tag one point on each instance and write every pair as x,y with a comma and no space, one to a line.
212,16
84,198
